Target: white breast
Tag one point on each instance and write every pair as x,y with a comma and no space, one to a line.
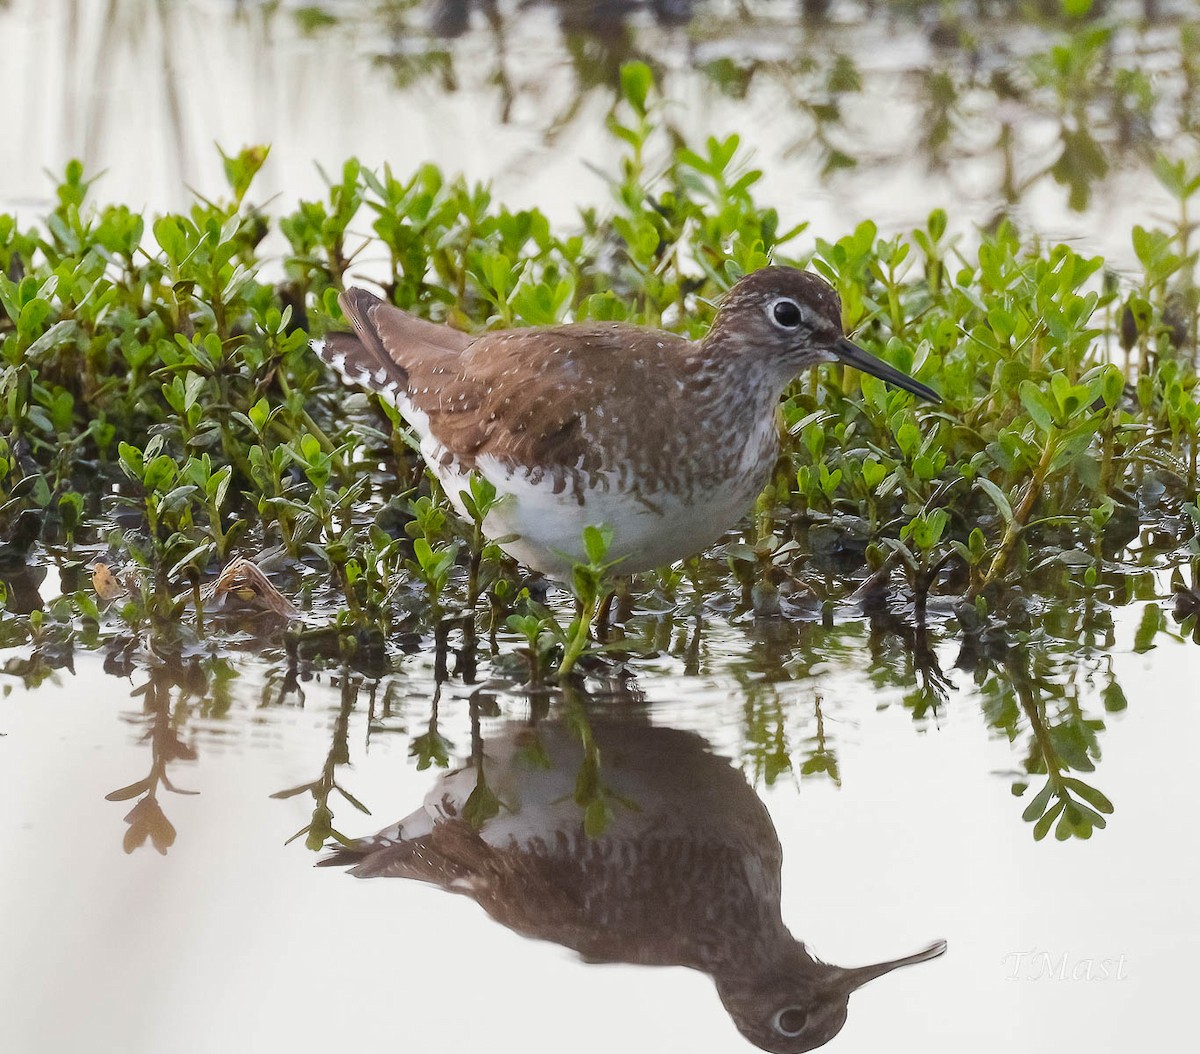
651,528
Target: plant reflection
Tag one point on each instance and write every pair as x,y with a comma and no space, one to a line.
1037,97
627,842
1049,689
971,78
320,828
1063,738
163,726
1045,689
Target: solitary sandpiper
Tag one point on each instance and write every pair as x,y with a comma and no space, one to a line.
665,441
684,869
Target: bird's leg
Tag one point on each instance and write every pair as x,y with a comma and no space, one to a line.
440,669
691,655
602,614
535,582
624,596
466,660
613,614
621,594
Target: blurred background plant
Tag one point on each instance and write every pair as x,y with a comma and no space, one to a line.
888,109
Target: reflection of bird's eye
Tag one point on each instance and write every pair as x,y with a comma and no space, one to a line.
790,1020
786,313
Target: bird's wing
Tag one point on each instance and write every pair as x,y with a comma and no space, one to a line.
543,398
531,397
449,856
387,343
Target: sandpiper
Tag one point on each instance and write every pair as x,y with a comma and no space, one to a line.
685,871
665,441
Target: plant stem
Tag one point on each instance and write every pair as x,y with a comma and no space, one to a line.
1021,513
579,638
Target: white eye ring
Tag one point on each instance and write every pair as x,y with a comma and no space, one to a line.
790,1028
785,313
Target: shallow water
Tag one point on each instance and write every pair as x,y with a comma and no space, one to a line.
233,939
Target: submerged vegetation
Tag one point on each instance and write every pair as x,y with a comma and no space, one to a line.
163,415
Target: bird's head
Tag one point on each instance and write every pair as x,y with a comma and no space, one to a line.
795,1003
792,319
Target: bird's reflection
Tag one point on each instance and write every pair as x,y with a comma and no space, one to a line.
628,842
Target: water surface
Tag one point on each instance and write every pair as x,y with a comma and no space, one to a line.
230,938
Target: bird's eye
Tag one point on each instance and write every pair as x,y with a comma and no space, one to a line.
786,313
790,1021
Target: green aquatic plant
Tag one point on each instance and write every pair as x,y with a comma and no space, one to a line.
320,829
589,584
1012,332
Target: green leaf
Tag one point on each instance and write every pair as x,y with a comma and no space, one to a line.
1042,827
636,81
596,542
999,499
1151,622
160,473
597,817
1038,805
86,605
481,805
1089,794
1114,699
59,333
132,461
1038,405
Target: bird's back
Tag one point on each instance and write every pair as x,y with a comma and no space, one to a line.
539,398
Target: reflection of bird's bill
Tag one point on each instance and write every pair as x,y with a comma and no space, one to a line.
850,979
852,355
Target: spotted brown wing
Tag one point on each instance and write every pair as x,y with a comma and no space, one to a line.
387,344
542,398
